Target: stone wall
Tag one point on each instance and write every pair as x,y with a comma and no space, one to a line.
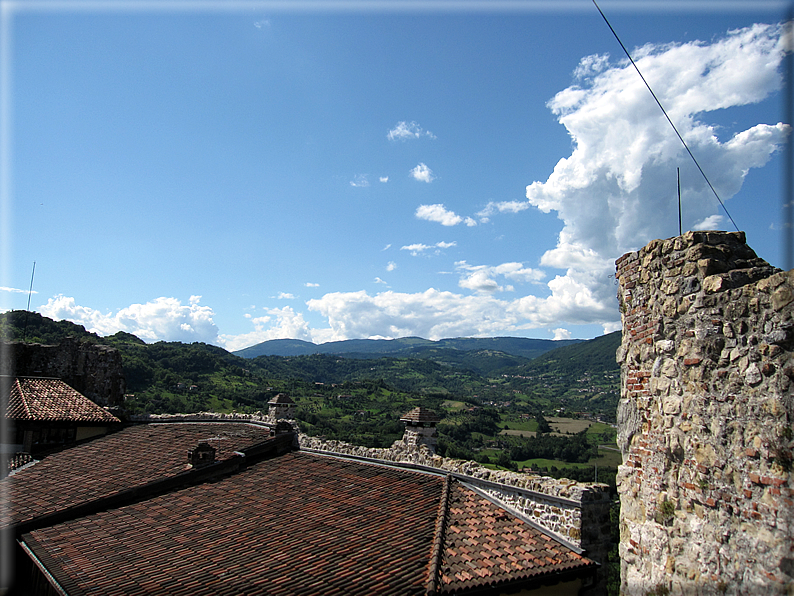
705,419
575,512
94,370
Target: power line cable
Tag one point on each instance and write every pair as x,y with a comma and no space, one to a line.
661,107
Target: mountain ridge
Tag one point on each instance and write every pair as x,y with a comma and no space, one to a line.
404,346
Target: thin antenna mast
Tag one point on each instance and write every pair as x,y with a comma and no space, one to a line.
27,310
661,107
678,175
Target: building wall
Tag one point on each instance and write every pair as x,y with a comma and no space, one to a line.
705,419
94,370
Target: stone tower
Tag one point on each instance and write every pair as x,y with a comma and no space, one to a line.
705,419
420,428
281,407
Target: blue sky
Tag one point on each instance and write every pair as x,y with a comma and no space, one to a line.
232,173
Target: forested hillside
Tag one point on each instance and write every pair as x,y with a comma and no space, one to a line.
492,403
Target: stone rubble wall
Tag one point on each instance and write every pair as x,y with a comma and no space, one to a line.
574,511
705,419
94,370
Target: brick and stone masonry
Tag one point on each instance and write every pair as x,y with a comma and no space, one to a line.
705,419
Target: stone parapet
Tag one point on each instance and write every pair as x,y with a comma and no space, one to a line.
575,512
705,418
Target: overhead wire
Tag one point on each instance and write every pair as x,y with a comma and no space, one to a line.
661,107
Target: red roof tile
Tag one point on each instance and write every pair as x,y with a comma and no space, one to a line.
486,546
116,462
281,398
420,414
37,399
295,524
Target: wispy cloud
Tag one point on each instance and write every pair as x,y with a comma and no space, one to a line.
422,173
384,178
263,23
417,249
391,266
15,291
408,130
360,181
438,213
309,284
285,296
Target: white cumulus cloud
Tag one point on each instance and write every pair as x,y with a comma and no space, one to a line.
408,130
160,319
440,214
422,173
607,192
482,278
278,323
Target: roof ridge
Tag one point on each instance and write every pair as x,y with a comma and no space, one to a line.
22,397
433,571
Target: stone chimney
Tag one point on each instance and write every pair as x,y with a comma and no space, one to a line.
281,407
202,455
420,428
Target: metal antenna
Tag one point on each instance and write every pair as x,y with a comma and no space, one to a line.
661,107
27,311
678,174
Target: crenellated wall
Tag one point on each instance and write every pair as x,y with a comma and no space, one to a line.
705,419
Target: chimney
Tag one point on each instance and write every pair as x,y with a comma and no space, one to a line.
420,428
202,455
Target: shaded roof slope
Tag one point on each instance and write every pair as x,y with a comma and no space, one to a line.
120,461
296,523
40,399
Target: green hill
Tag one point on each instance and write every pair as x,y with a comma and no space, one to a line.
405,346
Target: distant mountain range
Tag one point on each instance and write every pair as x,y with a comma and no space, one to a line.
405,347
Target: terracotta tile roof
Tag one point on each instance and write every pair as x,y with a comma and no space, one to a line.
38,399
298,523
295,524
117,462
484,545
281,398
420,414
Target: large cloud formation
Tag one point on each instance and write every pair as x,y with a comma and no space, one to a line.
159,319
606,193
